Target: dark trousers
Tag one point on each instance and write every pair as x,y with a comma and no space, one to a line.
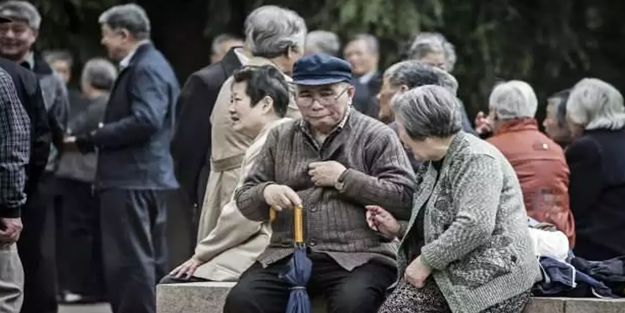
36,248
79,254
134,246
362,290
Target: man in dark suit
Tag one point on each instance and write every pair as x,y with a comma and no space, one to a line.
191,144
135,173
363,55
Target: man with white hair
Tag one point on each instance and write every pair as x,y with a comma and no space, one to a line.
273,36
538,161
322,41
17,40
135,170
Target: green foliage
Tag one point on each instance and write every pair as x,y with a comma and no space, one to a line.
550,44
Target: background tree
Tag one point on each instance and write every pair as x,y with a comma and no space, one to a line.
550,44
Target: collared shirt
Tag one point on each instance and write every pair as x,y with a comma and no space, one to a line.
241,56
364,79
14,148
29,61
126,60
378,173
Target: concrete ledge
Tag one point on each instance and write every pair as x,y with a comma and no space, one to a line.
201,298
210,297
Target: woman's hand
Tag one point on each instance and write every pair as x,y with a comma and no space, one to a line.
187,269
417,273
382,221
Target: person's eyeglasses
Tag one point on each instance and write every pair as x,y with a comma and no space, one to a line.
323,99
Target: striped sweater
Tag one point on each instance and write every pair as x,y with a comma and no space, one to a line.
378,173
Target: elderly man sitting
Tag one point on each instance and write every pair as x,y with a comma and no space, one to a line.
334,161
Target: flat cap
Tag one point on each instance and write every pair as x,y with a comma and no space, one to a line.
321,69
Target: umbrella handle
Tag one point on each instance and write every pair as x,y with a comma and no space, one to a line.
298,222
272,214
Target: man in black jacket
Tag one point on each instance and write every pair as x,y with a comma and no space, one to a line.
29,93
36,246
191,144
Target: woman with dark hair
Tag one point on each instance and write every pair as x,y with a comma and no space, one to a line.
555,121
260,100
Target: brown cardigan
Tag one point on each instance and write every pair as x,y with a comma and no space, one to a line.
378,172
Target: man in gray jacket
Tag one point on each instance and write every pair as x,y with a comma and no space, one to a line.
17,39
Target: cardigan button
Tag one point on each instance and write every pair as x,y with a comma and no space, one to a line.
312,243
313,208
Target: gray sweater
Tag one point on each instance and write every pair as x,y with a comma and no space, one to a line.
476,235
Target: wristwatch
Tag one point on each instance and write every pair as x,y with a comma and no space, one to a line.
339,185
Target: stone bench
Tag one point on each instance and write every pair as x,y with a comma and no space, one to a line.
210,297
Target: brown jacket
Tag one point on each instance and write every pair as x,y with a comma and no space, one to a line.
228,150
542,171
378,173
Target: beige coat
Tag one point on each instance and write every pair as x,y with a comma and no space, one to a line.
235,242
228,150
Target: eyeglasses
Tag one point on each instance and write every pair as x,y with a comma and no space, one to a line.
323,99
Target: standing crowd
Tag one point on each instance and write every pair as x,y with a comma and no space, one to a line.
409,204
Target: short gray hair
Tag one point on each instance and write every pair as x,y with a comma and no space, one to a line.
596,104
130,17
428,111
412,74
271,30
58,55
99,73
513,99
426,43
447,80
22,10
219,40
371,41
322,41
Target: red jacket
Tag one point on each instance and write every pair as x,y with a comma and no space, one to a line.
543,173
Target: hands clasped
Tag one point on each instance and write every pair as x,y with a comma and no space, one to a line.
11,230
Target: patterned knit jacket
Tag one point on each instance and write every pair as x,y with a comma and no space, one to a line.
475,226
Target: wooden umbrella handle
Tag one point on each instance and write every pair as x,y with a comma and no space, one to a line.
272,214
298,224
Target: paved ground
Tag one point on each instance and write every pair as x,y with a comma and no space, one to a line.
97,308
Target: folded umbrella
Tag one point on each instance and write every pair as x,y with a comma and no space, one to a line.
299,268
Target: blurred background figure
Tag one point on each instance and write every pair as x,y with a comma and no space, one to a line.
61,62
36,246
321,41
434,50
222,44
363,54
538,161
596,115
78,251
555,123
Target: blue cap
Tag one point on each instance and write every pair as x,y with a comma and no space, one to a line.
321,69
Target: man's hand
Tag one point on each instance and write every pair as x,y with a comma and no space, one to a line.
11,230
325,174
281,197
417,273
187,269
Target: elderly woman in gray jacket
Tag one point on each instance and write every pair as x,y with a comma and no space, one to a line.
466,247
